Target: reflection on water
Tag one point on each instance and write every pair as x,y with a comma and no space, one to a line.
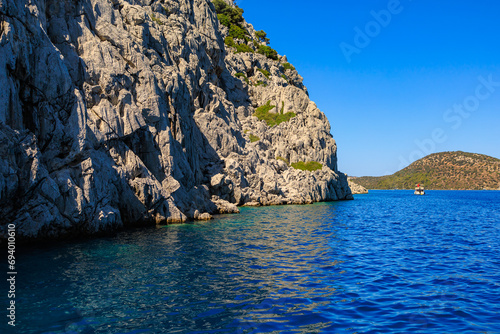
387,261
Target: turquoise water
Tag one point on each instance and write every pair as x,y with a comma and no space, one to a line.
388,262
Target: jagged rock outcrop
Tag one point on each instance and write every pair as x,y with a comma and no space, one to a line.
127,112
356,188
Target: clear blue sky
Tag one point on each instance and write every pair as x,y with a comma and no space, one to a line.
399,89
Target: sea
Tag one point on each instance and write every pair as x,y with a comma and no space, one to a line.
387,262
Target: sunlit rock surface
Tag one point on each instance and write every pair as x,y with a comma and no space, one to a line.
119,113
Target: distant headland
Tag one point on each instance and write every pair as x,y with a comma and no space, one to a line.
442,171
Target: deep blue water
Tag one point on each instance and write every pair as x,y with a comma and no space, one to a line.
388,262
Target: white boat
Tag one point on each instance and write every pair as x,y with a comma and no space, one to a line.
419,189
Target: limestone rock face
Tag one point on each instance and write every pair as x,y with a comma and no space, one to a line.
128,112
356,188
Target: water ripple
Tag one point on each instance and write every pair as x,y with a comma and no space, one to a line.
387,262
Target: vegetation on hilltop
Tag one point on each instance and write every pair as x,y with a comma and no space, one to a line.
238,37
262,36
288,66
445,170
228,15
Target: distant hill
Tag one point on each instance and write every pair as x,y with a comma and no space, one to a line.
445,170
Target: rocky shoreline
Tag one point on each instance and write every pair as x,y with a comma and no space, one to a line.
356,188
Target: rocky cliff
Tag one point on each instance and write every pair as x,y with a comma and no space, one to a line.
129,112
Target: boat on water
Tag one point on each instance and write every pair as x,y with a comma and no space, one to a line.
419,189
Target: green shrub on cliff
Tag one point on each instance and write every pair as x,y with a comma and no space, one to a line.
233,19
235,15
288,66
224,20
264,109
263,113
262,36
310,166
242,75
228,15
253,138
260,83
243,48
268,52
237,32
219,5
265,72
229,41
